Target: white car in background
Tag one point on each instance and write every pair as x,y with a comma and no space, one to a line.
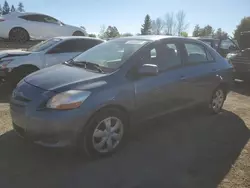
16,64
22,27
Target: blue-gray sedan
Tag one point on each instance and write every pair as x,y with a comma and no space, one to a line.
93,99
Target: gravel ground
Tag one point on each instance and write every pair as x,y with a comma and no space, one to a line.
185,149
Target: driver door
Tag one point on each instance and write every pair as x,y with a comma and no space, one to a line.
156,95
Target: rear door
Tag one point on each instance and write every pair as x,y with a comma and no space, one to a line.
199,71
34,24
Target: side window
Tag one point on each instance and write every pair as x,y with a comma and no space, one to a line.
197,53
65,47
48,19
83,45
167,56
227,44
153,53
71,46
33,17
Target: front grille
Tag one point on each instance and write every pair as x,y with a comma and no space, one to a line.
19,130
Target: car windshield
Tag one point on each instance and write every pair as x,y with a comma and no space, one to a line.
43,45
112,54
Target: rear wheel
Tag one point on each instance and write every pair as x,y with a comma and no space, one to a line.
104,134
217,100
18,35
78,33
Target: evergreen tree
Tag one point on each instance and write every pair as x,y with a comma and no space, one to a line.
12,9
1,10
147,26
6,8
196,32
20,7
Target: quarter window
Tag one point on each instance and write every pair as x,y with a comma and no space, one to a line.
197,53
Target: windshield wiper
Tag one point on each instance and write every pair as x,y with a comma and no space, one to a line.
86,63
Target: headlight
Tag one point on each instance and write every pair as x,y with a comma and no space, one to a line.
68,100
4,63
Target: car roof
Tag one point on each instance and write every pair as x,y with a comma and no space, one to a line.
16,14
77,37
150,37
203,38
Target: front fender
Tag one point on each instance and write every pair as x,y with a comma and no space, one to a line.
28,60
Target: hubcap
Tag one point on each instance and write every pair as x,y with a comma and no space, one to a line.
218,100
107,134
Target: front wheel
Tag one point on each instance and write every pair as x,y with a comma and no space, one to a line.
217,100
104,134
18,35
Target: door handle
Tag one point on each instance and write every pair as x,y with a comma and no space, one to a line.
214,70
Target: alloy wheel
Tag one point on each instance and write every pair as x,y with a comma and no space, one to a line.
107,134
218,100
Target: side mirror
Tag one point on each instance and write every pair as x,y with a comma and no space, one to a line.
148,70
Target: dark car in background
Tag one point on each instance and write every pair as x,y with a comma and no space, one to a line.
93,100
223,45
241,59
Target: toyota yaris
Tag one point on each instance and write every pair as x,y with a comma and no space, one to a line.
92,101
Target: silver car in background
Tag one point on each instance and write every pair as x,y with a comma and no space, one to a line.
16,64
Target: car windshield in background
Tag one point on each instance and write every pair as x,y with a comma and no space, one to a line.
44,45
112,54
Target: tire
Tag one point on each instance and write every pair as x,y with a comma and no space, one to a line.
78,33
19,35
18,74
217,100
102,137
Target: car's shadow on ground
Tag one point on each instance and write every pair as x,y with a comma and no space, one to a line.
5,92
242,88
186,149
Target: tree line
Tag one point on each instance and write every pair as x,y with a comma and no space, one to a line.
169,24
6,8
174,24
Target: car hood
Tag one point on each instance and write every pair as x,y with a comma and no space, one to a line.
62,77
13,53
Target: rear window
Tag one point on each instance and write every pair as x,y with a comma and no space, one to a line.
197,53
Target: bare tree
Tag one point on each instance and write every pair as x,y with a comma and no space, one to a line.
157,26
181,25
103,29
170,24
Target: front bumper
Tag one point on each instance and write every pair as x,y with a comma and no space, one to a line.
52,128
